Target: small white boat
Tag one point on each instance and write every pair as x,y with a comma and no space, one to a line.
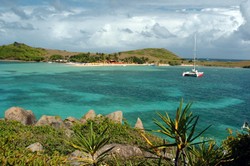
194,72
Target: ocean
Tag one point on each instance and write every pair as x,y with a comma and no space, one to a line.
220,98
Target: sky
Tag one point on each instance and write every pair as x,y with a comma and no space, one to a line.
108,26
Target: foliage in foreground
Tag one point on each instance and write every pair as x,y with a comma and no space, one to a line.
181,129
238,148
91,144
206,153
187,151
95,134
15,137
120,133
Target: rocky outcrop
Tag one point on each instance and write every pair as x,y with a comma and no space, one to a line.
89,115
53,121
123,151
36,147
26,117
116,116
76,155
70,121
139,125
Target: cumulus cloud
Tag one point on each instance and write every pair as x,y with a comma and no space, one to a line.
127,30
156,31
245,28
20,13
109,26
16,25
57,5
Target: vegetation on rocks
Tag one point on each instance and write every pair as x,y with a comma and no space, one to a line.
91,144
97,138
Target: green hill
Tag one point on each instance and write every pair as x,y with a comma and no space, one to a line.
23,52
159,55
20,51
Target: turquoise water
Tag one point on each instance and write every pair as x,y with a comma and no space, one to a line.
220,98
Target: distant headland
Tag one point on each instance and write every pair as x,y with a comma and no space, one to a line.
153,56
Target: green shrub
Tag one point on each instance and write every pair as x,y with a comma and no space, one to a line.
55,57
174,63
18,136
238,147
123,134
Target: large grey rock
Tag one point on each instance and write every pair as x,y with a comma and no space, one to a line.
139,125
123,151
130,151
26,117
116,116
36,147
53,121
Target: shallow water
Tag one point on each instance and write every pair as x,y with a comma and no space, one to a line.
220,98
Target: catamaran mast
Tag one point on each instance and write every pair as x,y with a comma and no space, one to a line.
194,49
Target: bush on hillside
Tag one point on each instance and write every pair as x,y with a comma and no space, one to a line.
19,51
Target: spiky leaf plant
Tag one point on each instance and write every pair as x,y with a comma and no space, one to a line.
91,144
207,153
181,130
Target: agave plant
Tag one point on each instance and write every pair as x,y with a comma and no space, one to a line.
91,144
160,154
181,130
207,154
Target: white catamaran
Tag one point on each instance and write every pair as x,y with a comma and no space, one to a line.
194,72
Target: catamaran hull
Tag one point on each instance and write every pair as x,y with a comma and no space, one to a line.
192,74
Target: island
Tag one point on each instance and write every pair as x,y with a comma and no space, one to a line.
149,56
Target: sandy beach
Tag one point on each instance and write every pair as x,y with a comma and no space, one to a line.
112,64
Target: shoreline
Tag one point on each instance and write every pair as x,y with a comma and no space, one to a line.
112,64
246,65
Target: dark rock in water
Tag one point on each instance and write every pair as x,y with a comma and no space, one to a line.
116,116
36,147
53,121
26,117
139,125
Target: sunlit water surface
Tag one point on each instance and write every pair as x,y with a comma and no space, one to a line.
220,98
